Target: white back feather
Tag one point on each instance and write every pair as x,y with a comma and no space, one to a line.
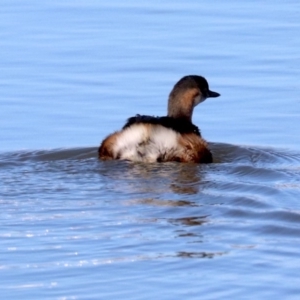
145,143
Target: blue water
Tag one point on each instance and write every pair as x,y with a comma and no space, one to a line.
73,227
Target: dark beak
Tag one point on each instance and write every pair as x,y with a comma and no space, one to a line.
211,94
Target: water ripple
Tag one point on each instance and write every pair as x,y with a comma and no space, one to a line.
77,213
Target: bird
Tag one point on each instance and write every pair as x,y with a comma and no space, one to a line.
171,138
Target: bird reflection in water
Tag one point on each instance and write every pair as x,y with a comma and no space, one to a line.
184,254
156,178
171,195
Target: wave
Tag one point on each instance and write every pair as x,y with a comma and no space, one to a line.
222,152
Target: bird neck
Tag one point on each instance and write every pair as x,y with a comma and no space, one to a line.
181,105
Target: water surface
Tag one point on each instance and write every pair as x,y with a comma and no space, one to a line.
73,227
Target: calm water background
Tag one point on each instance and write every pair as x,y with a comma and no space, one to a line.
76,228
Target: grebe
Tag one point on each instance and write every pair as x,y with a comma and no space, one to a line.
160,139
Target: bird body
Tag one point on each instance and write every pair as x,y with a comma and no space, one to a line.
160,139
